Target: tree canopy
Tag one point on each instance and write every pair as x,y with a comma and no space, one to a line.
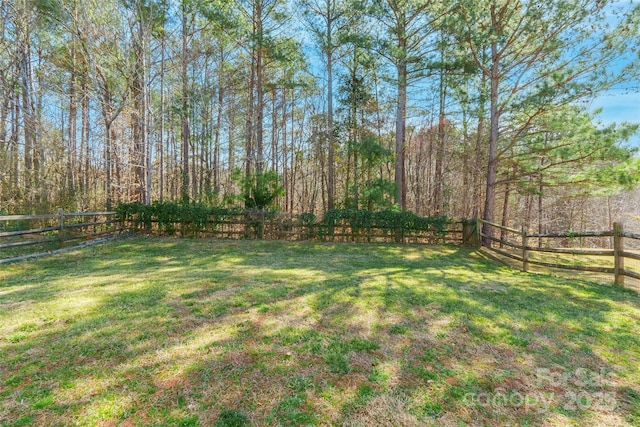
440,108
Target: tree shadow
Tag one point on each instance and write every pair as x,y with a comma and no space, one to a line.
206,326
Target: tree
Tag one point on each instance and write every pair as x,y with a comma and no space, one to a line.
103,101
408,24
329,22
260,191
225,44
541,55
265,18
566,150
25,20
104,47
185,20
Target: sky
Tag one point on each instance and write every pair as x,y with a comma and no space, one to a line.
619,106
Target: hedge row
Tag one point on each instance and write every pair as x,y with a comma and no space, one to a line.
388,220
198,217
167,215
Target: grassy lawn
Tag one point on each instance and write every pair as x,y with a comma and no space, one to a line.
150,331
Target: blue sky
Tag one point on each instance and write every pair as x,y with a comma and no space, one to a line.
619,106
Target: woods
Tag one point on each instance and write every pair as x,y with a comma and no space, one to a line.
466,109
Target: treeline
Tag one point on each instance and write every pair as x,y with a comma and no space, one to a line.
464,108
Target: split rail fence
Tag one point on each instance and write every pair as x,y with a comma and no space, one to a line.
257,224
53,233
31,236
576,251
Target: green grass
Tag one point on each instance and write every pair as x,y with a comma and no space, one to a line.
151,331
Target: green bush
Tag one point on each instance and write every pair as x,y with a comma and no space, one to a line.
191,218
259,190
307,219
387,220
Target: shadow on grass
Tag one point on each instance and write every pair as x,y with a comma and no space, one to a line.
167,331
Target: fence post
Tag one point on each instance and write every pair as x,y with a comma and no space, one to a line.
60,227
618,258
470,233
525,252
119,225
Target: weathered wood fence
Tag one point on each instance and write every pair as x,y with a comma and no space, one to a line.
52,233
282,226
516,245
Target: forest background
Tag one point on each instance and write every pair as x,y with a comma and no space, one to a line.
464,108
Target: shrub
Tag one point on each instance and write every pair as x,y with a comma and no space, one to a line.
387,220
196,217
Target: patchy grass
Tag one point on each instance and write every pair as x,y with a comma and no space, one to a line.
231,333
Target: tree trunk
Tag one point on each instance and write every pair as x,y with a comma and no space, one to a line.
477,180
540,211
492,166
28,114
161,171
108,145
259,104
108,121
401,190
84,138
330,133
148,125
274,132
73,121
138,113
249,121
13,141
292,151
216,146
505,211
186,132
438,187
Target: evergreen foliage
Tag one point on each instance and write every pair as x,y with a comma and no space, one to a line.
195,217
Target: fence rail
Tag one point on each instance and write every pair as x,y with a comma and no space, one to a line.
53,233
283,227
518,240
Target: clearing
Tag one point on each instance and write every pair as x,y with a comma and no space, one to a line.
161,331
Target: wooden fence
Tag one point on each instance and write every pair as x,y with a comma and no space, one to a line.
46,234
53,233
516,245
283,226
